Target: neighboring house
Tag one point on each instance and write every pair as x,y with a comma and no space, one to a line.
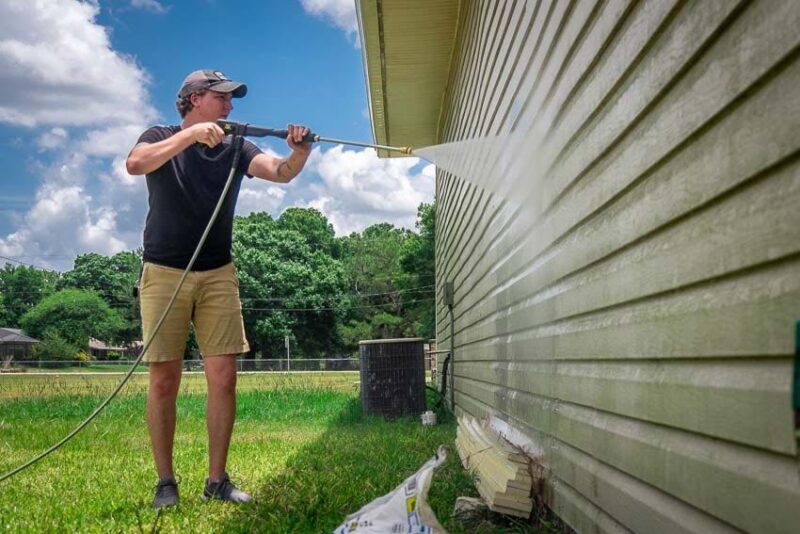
623,237
99,350
15,344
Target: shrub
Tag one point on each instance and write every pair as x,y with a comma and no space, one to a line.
112,355
53,347
74,315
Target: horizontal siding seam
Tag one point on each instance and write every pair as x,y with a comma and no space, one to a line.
752,181
788,59
651,104
730,275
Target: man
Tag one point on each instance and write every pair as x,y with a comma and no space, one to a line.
187,167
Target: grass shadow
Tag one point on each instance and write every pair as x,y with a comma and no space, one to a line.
354,460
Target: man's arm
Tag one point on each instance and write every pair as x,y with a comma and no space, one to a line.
147,157
282,170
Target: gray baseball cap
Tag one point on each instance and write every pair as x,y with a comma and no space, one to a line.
211,79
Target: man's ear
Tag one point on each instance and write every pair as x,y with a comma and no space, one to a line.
193,98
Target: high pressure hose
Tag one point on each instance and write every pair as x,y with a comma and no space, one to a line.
236,144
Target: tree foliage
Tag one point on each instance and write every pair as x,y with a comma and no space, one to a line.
113,279
73,315
417,260
314,227
22,287
374,277
289,285
390,270
296,278
54,347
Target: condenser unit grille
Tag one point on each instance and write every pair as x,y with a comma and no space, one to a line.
392,377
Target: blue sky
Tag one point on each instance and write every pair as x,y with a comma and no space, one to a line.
83,79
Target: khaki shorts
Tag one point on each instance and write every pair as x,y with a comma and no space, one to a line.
208,299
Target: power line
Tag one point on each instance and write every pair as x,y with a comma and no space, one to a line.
420,289
337,308
28,264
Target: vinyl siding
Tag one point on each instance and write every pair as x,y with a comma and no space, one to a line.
637,319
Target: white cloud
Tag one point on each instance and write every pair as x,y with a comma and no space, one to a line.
258,195
111,141
61,72
90,102
59,68
359,190
342,13
149,5
53,138
61,222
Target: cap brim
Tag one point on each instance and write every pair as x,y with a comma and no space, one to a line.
237,88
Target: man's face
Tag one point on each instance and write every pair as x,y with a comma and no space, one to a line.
212,106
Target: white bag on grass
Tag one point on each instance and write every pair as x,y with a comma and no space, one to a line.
404,510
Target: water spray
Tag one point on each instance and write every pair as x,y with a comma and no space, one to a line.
248,130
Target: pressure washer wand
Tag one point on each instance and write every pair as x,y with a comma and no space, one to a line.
248,130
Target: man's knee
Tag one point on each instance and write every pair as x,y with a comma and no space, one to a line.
221,374
165,379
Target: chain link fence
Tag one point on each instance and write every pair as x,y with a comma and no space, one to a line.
242,364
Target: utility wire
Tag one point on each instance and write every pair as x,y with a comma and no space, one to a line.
332,308
341,296
28,264
337,308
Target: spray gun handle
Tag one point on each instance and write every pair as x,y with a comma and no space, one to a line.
248,130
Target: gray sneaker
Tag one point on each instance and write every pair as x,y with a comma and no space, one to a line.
166,493
225,490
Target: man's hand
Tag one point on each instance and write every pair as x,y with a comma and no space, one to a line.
295,139
207,133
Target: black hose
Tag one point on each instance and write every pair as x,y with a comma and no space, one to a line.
440,397
445,364
453,363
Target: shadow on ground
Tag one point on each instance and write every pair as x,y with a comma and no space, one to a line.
355,460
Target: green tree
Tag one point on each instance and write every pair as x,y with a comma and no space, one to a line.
314,227
113,279
372,263
387,326
73,315
417,259
22,287
289,285
3,312
352,332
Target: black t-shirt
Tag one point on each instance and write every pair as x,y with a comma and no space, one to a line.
182,195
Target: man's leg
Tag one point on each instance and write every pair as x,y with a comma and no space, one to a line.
220,336
165,379
157,286
221,380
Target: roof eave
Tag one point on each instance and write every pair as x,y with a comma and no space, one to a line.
406,49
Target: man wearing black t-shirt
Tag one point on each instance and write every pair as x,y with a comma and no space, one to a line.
187,166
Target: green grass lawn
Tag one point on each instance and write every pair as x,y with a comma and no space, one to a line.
34,385
300,445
